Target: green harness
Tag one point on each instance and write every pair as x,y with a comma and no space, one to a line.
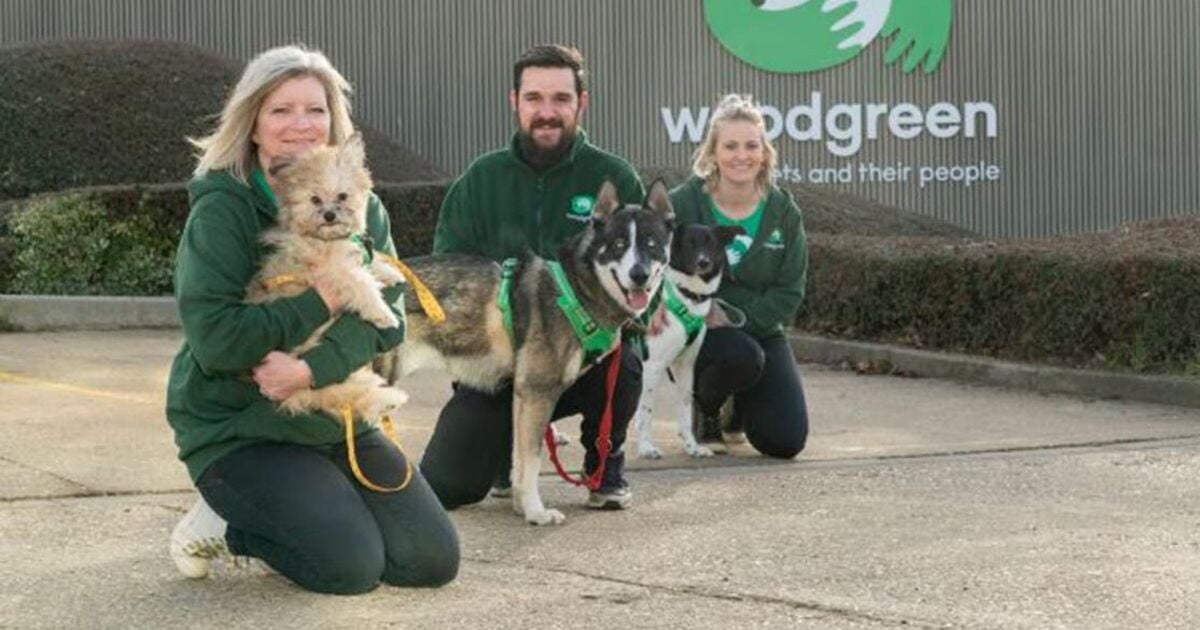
596,341
692,324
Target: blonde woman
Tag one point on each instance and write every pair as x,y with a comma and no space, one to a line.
277,487
732,185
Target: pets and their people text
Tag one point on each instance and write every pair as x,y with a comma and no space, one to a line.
273,485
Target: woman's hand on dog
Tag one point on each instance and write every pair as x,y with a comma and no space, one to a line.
716,317
280,375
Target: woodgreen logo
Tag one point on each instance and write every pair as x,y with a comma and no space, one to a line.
794,36
581,207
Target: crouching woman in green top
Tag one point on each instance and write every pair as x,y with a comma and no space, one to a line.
278,487
764,280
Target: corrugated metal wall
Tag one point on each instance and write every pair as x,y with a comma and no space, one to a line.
1097,99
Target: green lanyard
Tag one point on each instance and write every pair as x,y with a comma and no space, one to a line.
596,341
692,324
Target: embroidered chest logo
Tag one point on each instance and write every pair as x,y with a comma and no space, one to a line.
581,208
775,240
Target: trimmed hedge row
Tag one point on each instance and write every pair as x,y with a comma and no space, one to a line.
1124,300
88,113
104,221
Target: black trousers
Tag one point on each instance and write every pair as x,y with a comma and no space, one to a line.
761,375
471,446
300,510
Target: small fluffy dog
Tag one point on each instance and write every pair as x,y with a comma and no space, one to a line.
697,264
322,218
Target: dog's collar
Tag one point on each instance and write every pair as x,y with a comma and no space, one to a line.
695,297
596,340
366,244
692,323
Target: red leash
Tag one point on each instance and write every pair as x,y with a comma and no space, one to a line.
603,441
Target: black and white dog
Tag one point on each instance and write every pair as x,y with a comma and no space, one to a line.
697,264
613,267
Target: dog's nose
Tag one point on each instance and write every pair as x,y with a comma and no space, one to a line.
639,275
703,264
330,216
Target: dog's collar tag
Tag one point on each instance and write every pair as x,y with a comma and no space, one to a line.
691,323
366,244
596,341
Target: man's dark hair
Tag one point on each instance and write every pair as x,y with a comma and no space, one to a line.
553,56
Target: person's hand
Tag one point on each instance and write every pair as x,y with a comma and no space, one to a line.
280,375
716,317
658,322
325,288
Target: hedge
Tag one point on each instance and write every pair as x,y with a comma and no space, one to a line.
1127,299
90,113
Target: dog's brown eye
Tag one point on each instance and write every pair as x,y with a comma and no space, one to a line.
342,196
316,200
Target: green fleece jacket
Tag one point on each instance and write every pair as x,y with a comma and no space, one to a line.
212,404
769,283
501,207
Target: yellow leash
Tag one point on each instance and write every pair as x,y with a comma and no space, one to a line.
429,303
390,430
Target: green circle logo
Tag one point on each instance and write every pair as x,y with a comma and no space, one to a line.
581,205
793,36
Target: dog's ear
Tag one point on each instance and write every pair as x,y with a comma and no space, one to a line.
353,151
726,233
659,201
606,203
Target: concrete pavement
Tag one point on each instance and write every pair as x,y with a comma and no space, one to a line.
918,503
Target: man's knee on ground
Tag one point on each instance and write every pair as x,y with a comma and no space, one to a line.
452,490
781,445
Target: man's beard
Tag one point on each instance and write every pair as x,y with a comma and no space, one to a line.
541,158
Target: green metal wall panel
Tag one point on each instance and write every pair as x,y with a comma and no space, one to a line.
1096,100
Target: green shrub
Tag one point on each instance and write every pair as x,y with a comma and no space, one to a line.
72,245
413,209
1125,300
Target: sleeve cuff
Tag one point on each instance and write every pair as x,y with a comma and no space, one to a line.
327,367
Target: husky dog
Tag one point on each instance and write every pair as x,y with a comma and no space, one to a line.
322,217
613,266
697,263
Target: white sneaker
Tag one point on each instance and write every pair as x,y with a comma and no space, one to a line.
197,540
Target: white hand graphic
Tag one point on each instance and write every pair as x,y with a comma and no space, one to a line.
869,15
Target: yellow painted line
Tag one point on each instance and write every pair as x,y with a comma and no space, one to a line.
75,389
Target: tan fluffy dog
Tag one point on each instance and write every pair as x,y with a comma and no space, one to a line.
323,199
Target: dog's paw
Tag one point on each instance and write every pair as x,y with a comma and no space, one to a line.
383,319
545,517
385,401
647,450
697,450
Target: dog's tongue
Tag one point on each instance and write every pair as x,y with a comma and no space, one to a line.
638,299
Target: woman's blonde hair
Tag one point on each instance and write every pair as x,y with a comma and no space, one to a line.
733,107
230,147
